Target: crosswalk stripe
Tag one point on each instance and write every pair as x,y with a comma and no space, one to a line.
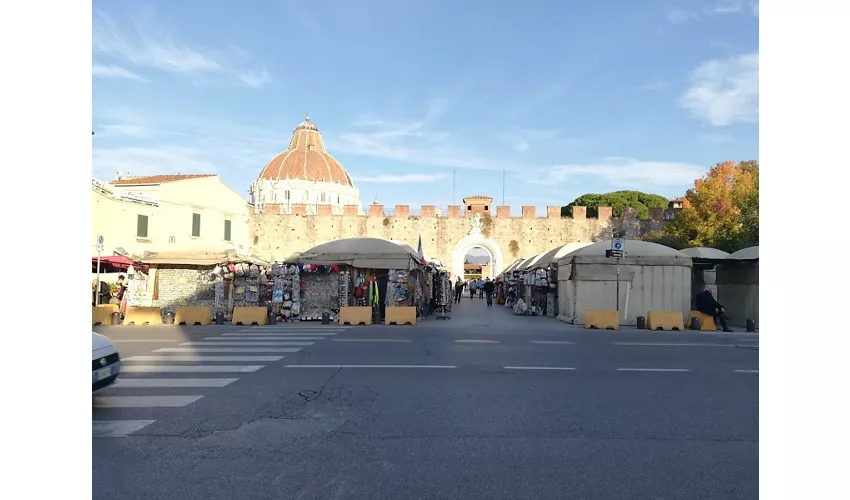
173,382
143,401
189,369
141,341
287,327
229,349
247,343
108,428
264,338
204,358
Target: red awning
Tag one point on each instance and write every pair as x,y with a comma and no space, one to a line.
113,264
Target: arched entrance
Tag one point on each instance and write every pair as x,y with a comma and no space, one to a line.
471,241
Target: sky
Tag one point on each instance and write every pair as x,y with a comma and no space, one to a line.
413,97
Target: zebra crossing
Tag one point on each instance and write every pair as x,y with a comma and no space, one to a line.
148,382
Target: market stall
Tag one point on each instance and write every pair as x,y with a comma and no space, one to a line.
379,271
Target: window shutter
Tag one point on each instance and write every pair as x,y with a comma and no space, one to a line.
142,226
196,225
226,230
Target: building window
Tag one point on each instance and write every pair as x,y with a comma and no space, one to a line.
196,225
286,194
337,199
469,207
323,197
486,207
306,196
226,230
141,226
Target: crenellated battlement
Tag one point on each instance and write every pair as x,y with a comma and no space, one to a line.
451,212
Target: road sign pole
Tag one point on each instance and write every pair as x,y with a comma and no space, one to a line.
618,285
97,284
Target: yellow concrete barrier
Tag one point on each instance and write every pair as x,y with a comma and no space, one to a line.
192,315
101,315
400,315
665,320
706,322
602,320
142,315
355,315
250,315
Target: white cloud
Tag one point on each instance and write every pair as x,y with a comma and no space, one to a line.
401,179
410,141
724,91
123,130
145,45
522,146
107,71
679,15
622,173
150,161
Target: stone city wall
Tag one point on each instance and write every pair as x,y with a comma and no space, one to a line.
277,236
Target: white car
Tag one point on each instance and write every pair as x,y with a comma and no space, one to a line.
105,362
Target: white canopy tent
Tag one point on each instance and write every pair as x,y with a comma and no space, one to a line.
552,256
652,277
367,253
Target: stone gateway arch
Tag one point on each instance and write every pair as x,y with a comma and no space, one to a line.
476,239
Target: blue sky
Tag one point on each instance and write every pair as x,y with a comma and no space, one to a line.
566,97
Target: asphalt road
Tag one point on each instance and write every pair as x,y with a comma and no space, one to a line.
485,405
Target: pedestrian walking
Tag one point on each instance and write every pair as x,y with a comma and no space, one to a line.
488,288
458,289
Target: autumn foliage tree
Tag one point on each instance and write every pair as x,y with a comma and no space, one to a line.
721,210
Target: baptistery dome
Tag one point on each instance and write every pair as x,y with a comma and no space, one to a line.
304,174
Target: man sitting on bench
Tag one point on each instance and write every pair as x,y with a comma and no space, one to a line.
707,305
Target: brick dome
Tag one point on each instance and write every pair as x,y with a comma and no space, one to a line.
306,159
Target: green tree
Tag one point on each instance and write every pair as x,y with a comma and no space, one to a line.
618,201
721,212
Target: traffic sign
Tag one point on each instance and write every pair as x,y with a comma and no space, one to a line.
615,254
100,239
618,244
100,249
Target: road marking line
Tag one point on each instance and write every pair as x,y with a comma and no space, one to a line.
128,341
368,366
247,343
143,401
203,358
538,368
263,338
746,371
173,382
659,344
275,330
189,369
551,342
370,340
475,341
111,428
229,349
652,370
258,334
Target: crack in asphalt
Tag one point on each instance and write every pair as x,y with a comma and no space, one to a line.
318,394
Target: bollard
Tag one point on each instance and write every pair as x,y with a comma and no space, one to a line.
116,318
326,318
219,318
272,318
169,318
751,325
641,323
695,323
